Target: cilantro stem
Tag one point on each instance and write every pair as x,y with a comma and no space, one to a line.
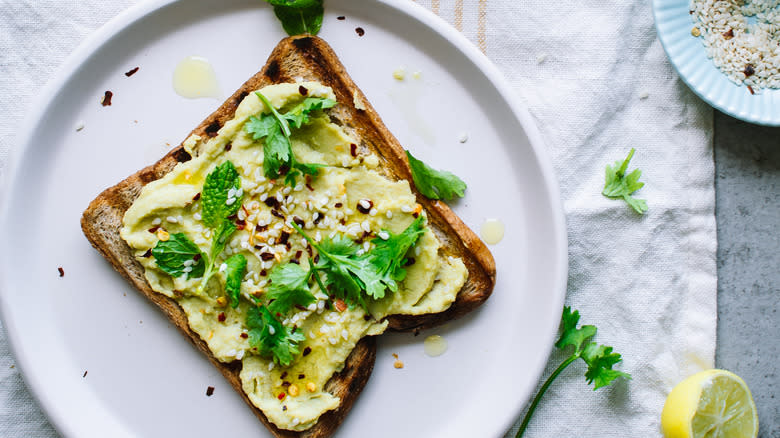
622,171
541,392
279,118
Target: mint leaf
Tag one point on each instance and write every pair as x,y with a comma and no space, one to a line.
435,184
618,185
178,256
222,194
236,268
271,338
299,17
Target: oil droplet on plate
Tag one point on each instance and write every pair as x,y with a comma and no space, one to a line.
194,77
435,345
492,231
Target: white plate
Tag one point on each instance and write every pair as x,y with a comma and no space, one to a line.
688,56
145,379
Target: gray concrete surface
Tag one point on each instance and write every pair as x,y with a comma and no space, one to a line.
747,187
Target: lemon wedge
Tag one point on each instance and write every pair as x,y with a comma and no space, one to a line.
710,404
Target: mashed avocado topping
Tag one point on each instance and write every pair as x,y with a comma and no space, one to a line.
214,231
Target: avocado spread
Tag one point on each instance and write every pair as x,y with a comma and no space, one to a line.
347,197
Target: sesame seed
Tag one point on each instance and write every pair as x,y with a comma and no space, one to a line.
231,193
365,226
407,209
333,341
372,212
286,190
389,214
324,329
383,235
295,422
187,269
223,267
345,334
263,197
239,193
365,203
197,216
157,221
270,366
230,201
271,330
172,219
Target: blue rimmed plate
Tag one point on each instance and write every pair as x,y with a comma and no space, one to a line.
688,56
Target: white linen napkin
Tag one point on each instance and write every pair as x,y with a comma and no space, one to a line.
597,82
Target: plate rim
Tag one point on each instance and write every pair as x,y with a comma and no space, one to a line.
130,16
696,86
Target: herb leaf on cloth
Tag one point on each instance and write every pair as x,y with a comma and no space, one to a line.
176,254
619,185
435,184
599,358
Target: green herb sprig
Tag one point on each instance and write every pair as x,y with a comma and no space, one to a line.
276,128
618,185
271,337
435,184
299,16
598,358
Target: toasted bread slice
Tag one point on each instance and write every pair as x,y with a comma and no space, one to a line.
311,59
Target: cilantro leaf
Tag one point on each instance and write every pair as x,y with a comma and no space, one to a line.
299,16
570,334
389,255
221,196
619,185
275,128
271,338
353,275
435,184
236,268
599,358
176,254
219,240
289,287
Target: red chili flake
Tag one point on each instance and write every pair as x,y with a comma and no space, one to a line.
416,215
277,214
266,256
749,70
751,89
196,197
285,384
340,305
196,257
361,208
409,261
61,271
271,201
240,224
283,237
148,253
298,254
306,351
221,317
284,408
366,317
338,205
303,91
298,221
153,229
209,391
84,375
244,335
132,72
284,374
341,18
308,186
281,396
263,273
228,147
301,376
360,31
728,34
353,149
107,98
260,228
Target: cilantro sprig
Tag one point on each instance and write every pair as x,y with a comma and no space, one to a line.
354,275
618,185
276,128
598,358
271,338
289,287
435,184
299,16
